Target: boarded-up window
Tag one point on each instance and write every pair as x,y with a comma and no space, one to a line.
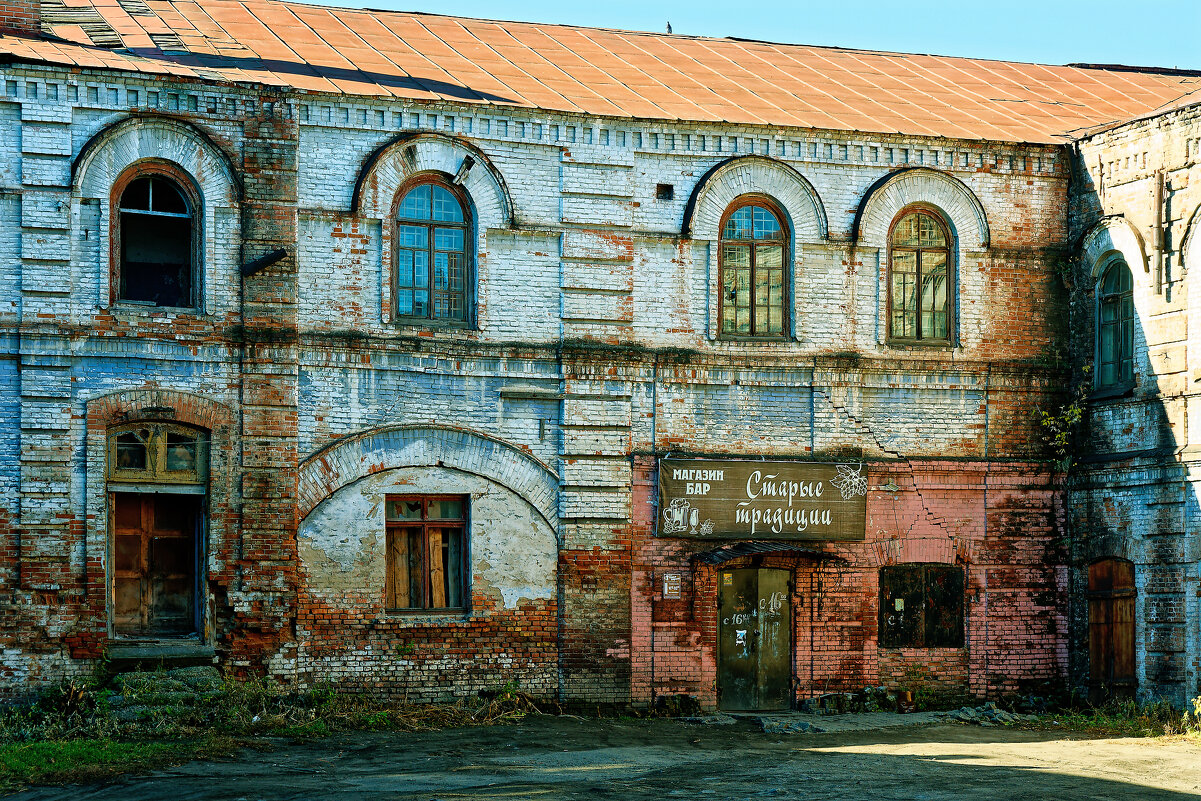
427,551
921,606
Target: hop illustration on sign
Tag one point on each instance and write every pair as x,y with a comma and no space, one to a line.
850,483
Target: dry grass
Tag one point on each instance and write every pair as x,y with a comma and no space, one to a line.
1126,719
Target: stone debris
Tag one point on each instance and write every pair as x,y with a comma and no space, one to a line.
717,719
776,726
987,715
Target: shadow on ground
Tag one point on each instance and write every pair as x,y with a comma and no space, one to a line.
548,758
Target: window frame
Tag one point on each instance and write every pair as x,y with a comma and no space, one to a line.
922,639
741,202
1119,384
952,280
391,527
192,196
156,471
469,252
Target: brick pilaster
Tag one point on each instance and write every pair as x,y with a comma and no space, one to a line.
264,604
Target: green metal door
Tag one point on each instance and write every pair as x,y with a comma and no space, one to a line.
754,640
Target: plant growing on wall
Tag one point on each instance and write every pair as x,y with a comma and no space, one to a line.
1060,426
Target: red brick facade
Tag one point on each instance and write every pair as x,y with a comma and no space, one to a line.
996,521
22,17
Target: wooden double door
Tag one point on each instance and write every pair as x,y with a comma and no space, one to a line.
754,639
156,562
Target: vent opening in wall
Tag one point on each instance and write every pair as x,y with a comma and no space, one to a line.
665,192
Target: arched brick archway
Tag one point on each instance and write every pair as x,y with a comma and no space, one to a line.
380,449
161,405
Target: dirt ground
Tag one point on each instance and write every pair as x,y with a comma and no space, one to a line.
549,758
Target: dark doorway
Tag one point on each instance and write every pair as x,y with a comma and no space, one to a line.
155,557
1111,629
754,640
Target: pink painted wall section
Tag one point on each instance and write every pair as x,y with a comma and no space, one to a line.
999,521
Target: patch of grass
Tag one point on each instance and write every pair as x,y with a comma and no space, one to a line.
141,721
90,760
1126,719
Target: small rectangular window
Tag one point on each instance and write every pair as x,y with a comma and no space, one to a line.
921,606
426,552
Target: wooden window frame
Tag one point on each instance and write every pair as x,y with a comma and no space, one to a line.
1119,384
155,471
192,196
469,254
392,528
786,266
952,280
923,637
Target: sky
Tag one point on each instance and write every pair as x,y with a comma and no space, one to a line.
1161,33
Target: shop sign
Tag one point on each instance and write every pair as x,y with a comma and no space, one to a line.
672,584
729,499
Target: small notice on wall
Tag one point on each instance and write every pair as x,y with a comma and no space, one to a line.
727,499
671,585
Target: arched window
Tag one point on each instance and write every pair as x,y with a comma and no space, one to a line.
1115,327
156,239
919,279
433,229
753,254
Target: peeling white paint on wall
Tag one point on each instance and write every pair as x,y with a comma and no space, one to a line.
514,553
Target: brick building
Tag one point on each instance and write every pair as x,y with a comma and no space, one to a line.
1133,495
367,348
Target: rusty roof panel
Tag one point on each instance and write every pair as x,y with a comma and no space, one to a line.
595,71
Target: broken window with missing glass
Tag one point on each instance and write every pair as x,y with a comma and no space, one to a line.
426,552
155,234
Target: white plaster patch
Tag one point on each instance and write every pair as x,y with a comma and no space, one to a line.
514,554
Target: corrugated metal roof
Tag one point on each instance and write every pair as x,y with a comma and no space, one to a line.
593,71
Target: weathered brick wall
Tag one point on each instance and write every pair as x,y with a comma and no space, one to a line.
344,634
1135,494
997,521
22,17
595,340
